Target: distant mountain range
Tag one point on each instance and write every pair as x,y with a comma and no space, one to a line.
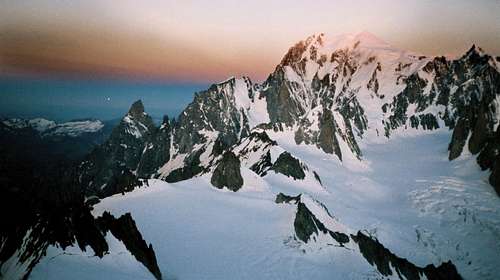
72,139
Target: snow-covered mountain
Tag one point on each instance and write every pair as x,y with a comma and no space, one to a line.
389,141
331,93
46,138
48,128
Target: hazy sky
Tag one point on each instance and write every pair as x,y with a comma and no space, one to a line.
207,41
67,99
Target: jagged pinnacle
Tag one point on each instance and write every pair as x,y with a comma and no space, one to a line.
137,109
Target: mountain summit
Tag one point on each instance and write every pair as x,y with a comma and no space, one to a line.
350,40
330,92
137,109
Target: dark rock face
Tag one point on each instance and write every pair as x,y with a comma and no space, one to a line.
282,105
426,121
49,209
355,121
283,198
136,110
227,173
263,165
307,226
327,140
125,230
285,99
111,167
219,147
33,230
288,101
138,148
215,111
380,257
305,223
476,108
295,53
157,150
289,166
476,83
466,87
40,203
489,158
122,182
481,130
258,142
412,94
494,178
262,137
316,176
190,169
458,139
212,110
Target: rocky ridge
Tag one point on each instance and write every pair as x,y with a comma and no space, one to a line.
326,92
314,224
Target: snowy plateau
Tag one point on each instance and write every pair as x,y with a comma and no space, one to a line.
353,160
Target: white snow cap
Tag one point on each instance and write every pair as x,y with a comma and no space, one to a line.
363,40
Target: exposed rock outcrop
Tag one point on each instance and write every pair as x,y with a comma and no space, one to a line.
389,264
289,166
125,230
458,139
227,173
214,110
111,167
327,139
190,168
157,151
309,223
53,212
283,198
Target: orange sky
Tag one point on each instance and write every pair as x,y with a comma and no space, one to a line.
207,41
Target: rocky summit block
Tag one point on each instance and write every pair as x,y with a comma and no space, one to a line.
289,166
227,173
117,164
307,226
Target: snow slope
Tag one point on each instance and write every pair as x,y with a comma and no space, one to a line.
419,205
75,264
